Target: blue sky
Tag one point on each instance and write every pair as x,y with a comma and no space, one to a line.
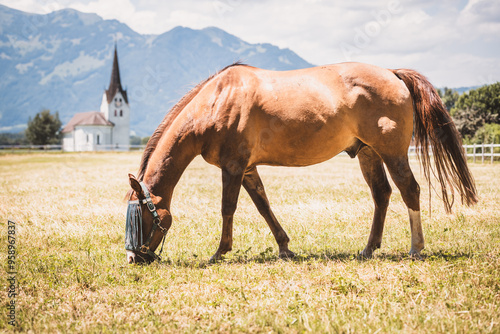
454,42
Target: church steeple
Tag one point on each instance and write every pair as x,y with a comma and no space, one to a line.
115,82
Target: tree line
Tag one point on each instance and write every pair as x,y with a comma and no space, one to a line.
476,114
45,129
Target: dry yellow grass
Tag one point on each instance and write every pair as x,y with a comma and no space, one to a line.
73,277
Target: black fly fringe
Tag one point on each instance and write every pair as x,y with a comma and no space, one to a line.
133,226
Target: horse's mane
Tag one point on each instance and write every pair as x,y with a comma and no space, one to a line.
169,119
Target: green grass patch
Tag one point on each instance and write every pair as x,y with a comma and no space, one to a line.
73,276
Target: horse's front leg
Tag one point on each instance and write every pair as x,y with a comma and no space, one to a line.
231,185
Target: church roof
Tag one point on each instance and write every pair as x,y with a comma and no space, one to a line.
115,84
86,118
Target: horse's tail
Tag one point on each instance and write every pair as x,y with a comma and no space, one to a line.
434,127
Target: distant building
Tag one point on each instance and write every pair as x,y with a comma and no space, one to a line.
106,129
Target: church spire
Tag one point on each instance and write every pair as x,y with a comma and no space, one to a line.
115,82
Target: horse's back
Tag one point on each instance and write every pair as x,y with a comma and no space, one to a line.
307,116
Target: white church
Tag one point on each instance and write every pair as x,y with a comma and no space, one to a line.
107,129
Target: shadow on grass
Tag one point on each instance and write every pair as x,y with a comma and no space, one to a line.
269,257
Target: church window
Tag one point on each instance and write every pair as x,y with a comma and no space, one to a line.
87,138
121,113
115,113
98,140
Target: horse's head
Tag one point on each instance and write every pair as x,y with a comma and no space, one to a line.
147,223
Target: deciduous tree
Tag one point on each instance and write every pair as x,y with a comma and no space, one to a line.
44,128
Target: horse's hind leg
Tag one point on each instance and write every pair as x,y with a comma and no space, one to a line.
374,174
255,188
400,171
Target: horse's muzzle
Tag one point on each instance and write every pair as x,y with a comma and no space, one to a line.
139,258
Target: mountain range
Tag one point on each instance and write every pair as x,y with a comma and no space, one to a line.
61,61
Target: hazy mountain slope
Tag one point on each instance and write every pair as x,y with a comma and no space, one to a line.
62,61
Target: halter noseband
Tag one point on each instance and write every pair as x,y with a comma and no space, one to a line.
133,227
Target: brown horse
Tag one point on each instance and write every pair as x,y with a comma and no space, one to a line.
243,116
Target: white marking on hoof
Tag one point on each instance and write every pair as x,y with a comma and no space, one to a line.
417,236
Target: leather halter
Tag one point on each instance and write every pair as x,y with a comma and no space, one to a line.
144,248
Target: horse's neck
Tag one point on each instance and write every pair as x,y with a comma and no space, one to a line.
168,162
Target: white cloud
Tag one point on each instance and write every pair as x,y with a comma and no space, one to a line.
14,128
34,6
482,11
457,36
122,10
483,15
23,68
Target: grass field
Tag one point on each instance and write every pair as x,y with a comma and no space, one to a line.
73,277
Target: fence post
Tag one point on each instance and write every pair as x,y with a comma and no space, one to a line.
492,151
482,153
474,153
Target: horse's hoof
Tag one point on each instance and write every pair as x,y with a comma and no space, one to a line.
365,254
415,255
288,254
215,258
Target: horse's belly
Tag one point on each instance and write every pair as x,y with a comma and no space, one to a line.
301,146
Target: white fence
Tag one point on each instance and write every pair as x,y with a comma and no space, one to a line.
476,152
58,148
485,151
482,152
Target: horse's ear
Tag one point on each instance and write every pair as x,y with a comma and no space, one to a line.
135,185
